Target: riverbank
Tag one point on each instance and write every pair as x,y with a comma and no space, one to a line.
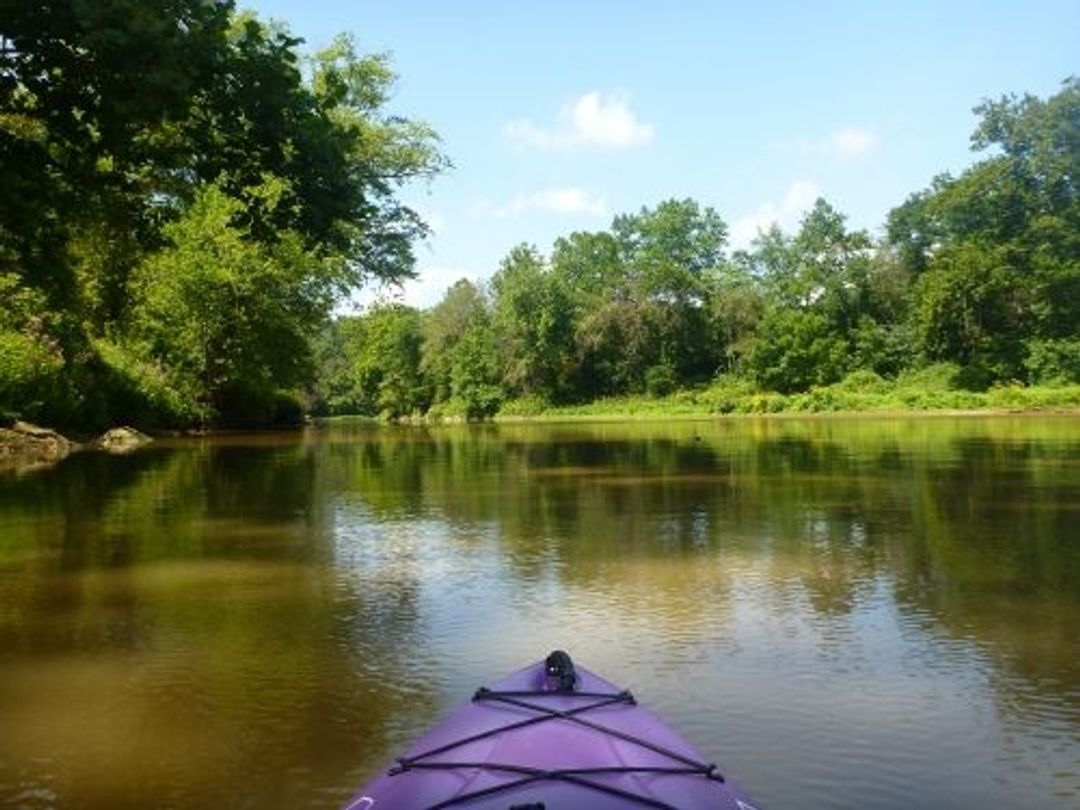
859,394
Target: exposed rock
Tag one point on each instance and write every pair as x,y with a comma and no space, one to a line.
32,443
123,440
33,430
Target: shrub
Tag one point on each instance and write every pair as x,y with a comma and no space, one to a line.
864,381
660,380
139,392
1053,362
31,372
934,377
530,405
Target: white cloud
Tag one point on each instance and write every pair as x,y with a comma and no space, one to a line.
426,290
847,143
852,142
595,120
798,198
552,201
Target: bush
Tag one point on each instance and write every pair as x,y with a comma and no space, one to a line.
935,377
1019,397
136,391
31,376
1053,362
660,380
765,403
864,381
532,405
727,394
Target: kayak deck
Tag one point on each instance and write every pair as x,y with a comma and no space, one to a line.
527,742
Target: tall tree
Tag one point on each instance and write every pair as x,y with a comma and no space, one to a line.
444,327
667,252
531,316
817,282
117,116
998,247
230,319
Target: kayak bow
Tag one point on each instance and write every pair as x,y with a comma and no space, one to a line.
556,737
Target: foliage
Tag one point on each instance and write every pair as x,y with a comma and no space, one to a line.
796,349
862,391
229,319
1054,361
174,239
372,364
30,359
474,376
997,249
969,300
531,314
141,392
199,215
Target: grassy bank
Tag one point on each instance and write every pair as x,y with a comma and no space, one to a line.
926,390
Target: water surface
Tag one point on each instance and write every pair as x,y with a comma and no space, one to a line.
843,613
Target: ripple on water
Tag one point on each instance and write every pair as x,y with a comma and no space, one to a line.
840,616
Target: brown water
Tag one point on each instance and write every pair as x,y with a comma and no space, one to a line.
842,613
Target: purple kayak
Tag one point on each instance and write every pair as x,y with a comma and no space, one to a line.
551,736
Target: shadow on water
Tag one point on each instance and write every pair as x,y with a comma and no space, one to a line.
173,632
832,608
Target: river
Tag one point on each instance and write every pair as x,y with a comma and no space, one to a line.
842,613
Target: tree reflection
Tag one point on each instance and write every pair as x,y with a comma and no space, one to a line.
291,609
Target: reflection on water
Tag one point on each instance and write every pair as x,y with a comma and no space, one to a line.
843,613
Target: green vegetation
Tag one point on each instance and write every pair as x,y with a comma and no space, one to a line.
173,237
970,300
173,241
930,389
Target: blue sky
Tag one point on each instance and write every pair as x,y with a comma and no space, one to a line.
559,115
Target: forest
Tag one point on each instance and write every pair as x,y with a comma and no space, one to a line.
178,240
971,297
186,197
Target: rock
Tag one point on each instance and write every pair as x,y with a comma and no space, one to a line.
123,439
32,443
33,430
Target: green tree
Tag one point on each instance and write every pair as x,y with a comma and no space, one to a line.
589,267
475,379
997,249
667,253
796,349
81,133
532,318
736,304
444,327
386,362
99,159
971,310
588,264
230,319
818,289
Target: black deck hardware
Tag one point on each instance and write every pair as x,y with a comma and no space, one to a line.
560,668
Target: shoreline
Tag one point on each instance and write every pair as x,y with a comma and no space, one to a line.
951,413
33,445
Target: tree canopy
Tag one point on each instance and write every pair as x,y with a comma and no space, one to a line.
978,272
189,194
182,182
